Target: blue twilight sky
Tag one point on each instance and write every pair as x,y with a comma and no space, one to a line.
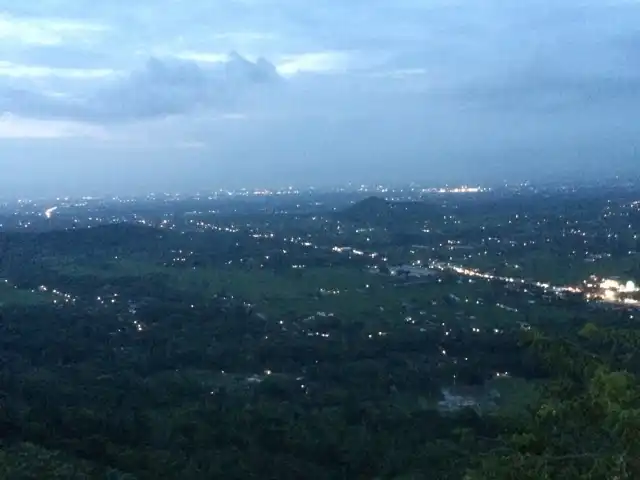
130,96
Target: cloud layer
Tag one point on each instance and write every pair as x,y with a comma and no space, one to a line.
415,88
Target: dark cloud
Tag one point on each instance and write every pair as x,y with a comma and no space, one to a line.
445,90
160,88
550,94
240,71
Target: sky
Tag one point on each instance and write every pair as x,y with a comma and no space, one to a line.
183,95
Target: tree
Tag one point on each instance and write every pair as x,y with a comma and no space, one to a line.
586,425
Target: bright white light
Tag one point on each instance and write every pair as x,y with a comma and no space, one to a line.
609,284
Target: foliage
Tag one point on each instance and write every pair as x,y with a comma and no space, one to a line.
587,426
206,354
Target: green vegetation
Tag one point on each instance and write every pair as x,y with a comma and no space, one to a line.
11,295
247,346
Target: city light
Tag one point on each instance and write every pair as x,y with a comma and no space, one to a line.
611,290
49,211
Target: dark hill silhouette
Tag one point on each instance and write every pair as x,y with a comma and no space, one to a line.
370,207
376,209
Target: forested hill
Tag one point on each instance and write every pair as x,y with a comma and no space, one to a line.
378,209
78,402
121,235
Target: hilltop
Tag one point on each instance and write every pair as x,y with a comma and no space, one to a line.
375,209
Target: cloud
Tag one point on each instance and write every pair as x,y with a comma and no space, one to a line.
8,69
161,87
285,65
203,57
46,31
12,127
70,55
315,62
549,94
432,86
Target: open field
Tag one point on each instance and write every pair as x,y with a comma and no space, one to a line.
11,295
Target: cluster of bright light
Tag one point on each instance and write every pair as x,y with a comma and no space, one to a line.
48,212
476,273
607,290
463,189
611,290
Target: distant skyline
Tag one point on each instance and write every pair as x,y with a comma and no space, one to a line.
152,95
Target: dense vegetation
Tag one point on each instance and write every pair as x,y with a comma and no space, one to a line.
78,402
130,352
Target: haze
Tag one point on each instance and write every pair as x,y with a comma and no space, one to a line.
131,96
